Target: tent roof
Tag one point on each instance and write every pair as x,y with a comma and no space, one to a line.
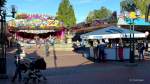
112,32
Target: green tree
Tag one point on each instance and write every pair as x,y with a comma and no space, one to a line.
90,16
132,5
142,4
102,13
72,16
127,5
2,3
66,13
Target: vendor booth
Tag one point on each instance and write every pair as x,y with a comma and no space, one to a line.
112,32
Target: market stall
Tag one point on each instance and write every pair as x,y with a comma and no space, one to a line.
112,32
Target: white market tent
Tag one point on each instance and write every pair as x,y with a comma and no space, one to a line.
112,32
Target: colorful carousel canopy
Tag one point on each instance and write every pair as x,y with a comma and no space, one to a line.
33,21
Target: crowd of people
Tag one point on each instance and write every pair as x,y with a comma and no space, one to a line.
97,48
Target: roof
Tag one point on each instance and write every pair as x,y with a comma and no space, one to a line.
112,32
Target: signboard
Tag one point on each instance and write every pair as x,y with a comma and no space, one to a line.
52,22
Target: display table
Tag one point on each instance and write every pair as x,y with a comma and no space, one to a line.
112,53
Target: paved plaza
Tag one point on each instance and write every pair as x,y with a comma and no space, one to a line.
68,67
74,41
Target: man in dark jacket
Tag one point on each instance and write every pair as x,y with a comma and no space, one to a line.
141,51
101,48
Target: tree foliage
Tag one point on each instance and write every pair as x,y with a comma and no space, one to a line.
72,16
102,13
2,3
66,13
132,5
142,5
127,5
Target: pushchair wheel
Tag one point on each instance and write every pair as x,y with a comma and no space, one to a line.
44,78
26,80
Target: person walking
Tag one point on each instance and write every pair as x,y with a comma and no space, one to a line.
52,41
141,51
96,57
120,50
18,64
47,47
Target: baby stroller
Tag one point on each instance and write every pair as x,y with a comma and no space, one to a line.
33,70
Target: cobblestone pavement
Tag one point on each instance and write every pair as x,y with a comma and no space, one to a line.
67,67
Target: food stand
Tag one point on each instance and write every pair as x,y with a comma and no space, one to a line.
113,32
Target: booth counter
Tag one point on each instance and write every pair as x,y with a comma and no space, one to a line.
117,53
112,53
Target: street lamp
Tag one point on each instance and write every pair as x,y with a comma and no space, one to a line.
13,11
133,16
147,13
3,16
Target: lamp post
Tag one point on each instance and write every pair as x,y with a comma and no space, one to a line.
133,17
147,13
3,15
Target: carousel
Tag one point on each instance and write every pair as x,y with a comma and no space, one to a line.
30,27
